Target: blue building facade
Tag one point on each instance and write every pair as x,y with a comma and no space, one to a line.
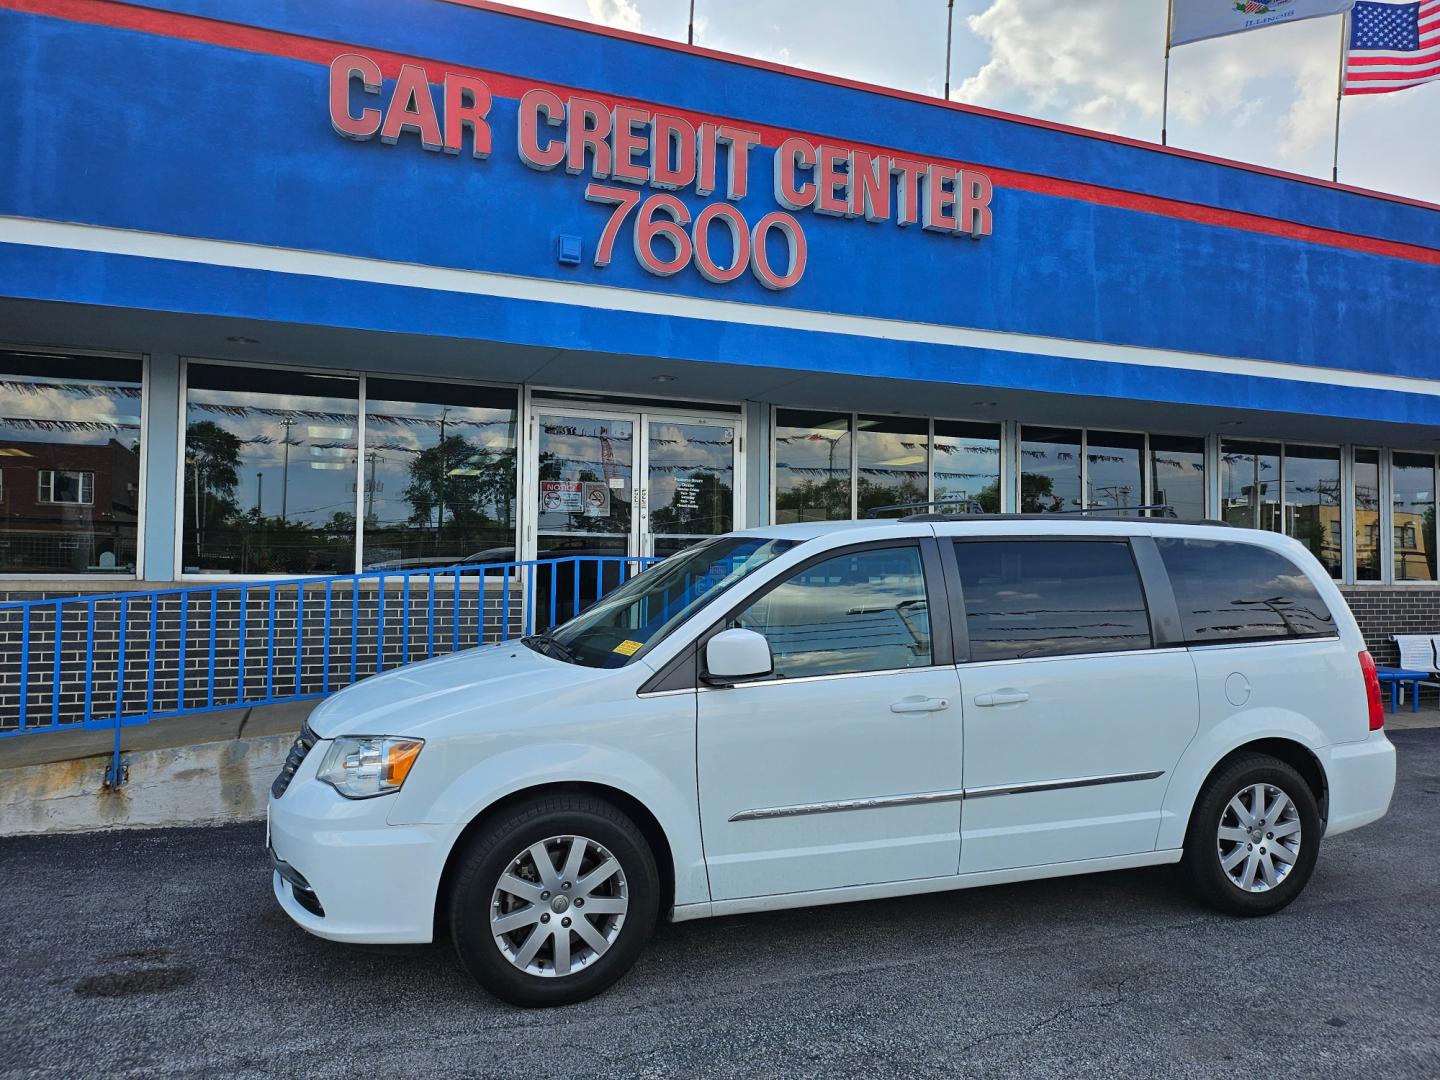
304,288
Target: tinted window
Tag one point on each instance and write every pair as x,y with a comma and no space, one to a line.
1051,598
1238,592
865,611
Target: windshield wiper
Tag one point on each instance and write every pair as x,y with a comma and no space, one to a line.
547,645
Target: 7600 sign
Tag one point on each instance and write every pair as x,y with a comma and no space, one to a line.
665,217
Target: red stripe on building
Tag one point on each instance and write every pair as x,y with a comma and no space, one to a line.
321,51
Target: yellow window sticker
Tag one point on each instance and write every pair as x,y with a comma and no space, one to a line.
628,647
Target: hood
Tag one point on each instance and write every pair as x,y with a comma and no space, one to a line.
403,701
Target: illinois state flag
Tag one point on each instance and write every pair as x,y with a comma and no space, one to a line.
1196,20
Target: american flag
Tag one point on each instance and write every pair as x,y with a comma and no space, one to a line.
1393,45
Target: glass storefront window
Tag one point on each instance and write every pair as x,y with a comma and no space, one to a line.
439,474
891,461
1177,474
1412,497
812,466
69,464
1049,470
1312,502
1367,515
967,465
270,472
1250,484
1113,476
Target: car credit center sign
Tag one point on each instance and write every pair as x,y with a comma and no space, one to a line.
625,148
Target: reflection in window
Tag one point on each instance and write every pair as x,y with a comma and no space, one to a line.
270,472
1051,598
1367,515
439,474
812,466
1250,484
1312,501
1177,474
1049,470
692,481
860,612
1239,592
1412,495
891,461
69,464
967,466
1113,475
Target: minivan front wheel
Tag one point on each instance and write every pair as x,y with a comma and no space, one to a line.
554,900
1254,837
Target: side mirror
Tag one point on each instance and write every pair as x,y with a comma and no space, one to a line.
737,654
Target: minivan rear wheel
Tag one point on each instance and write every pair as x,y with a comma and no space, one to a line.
554,900
1253,838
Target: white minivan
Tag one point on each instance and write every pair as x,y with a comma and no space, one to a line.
811,714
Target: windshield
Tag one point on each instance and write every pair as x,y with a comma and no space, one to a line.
621,626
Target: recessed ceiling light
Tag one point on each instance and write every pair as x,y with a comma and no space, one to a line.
239,339
1231,423
984,404
663,378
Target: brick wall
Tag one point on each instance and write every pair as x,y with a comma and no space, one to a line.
1383,611
367,631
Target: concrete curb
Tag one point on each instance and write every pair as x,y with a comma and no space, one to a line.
210,783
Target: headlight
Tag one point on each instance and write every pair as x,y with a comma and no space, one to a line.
361,767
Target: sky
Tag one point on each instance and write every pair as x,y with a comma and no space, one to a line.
1266,97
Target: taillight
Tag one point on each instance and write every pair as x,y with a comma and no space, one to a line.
1372,691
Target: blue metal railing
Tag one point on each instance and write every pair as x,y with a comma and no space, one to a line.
122,659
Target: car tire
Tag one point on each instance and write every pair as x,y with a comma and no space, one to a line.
1234,860
525,933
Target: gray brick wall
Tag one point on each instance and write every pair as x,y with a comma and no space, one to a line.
1382,611
367,632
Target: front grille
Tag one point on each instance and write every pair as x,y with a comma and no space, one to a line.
303,742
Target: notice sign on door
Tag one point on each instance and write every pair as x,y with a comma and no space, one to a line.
596,498
561,497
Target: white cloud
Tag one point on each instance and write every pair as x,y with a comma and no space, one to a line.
1266,97
621,14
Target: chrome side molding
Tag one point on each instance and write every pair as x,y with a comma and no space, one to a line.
880,801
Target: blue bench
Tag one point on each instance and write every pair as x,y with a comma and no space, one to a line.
1398,677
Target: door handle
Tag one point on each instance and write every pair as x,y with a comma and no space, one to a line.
915,705
1001,697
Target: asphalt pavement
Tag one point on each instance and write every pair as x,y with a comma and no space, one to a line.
163,953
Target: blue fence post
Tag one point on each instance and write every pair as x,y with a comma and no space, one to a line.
240,656
89,661
405,621
184,638
354,626
380,625
150,658
430,616
299,635
115,776
455,630
325,662
24,661
505,604
55,678
210,675
270,646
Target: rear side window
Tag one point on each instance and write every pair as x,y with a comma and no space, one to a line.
1228,591
1026,598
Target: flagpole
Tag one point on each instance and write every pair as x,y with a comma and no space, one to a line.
949,33
1340,95
1165,94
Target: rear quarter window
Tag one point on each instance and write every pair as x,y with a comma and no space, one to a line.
1228,591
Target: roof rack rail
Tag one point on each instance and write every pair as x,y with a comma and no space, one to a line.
972,506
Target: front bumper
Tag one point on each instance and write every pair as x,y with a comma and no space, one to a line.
376,883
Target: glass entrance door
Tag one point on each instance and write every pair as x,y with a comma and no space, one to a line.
690,470
630,483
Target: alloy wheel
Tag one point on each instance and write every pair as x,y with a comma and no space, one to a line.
1259,837
559,906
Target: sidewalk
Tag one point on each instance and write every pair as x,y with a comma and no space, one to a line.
191,770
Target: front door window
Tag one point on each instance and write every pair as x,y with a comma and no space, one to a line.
690,493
